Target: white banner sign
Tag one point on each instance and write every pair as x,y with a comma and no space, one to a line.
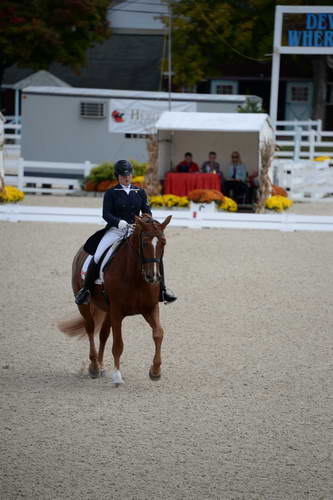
130,116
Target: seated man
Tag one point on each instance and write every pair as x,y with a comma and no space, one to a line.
210,166
187,165
236,184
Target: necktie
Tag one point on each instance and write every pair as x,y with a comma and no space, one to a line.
234,172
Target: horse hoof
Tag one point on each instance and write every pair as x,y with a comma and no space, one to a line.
116,378
94,373
153,376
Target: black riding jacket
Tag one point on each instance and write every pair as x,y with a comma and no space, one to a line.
118,205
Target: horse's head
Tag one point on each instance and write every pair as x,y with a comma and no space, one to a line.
151,245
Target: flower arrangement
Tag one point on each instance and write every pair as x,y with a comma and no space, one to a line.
169,200
228,204
322,158
206,196
279,191
138,180
11,194
102,177
278,203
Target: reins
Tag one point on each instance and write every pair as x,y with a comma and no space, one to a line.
140,254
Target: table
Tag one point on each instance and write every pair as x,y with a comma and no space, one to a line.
182,184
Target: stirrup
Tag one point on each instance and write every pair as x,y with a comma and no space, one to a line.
82,297
168,296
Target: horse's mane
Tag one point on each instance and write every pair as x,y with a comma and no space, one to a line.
147,219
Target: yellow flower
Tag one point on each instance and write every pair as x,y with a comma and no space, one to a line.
322,158
183,201
139,179
11,194
169,200
228,205
278,203
156,201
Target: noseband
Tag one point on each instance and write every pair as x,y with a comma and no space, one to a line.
143,259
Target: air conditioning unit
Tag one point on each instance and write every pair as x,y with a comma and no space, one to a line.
92,109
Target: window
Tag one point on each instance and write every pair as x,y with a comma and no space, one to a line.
224,87
92,109
300,94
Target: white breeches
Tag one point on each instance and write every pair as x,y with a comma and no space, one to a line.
111,236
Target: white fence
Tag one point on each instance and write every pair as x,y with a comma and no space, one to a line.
182,218
304,180
44,176
12,138
302,140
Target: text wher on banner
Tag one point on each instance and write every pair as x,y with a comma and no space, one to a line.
307,29
129,116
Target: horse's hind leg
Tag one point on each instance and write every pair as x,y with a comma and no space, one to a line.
153,319
89,324
103,337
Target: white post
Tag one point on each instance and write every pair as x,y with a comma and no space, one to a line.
275,87
20,174
275,66
297,143
87,168
17,105
2,143
312,138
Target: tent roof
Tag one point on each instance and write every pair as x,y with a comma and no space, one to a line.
212,122
42,77
137,94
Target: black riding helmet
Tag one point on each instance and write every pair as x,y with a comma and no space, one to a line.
123,167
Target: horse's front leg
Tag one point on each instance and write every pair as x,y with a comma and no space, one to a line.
153,318
94,370
103,337
117,346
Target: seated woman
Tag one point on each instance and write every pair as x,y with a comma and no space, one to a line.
120,205
187,165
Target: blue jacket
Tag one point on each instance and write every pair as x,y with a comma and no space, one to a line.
118,205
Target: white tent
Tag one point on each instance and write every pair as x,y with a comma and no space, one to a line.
199,133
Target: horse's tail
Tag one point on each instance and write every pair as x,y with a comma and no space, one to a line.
75,327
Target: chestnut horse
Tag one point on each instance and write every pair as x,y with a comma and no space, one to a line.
131,286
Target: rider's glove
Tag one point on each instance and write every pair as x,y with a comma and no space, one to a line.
122,224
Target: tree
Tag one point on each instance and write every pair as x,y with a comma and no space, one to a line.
209,33
36,33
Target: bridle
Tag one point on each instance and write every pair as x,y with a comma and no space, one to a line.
140,254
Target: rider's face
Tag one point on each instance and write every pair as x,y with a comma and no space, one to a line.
125,180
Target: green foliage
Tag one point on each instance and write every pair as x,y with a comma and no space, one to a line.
209,33
36,33
251,106
105,172
139,168
100,173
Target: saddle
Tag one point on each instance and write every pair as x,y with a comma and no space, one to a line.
104,261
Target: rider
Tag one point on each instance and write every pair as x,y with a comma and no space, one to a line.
120,205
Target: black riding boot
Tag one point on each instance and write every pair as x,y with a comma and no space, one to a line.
166,296
83,295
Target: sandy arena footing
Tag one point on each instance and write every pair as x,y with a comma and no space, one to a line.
244,406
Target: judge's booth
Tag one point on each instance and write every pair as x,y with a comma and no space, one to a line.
200,133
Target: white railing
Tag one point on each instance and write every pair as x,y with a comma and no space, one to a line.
303,140
180,218
45,176
304,180
13,129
